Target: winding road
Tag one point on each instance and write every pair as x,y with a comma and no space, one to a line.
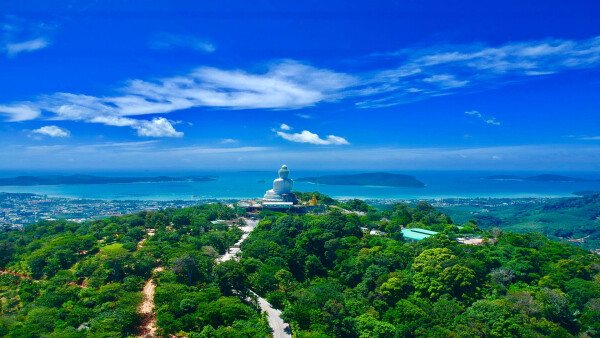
280,328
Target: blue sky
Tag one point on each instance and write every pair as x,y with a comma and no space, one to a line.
357,85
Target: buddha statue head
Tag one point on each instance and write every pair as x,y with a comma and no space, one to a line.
284,172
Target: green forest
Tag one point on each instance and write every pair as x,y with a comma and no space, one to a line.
324,271
557,218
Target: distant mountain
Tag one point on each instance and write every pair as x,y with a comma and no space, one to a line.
90,179
537,178
586,192
560,218
378,179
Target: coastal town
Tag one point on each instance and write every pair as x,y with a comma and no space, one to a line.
18,209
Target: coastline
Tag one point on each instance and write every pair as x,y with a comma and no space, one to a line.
252,185
341,198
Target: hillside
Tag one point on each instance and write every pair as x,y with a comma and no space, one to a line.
63,279
327,276
564,218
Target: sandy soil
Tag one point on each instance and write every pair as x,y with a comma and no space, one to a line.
148,327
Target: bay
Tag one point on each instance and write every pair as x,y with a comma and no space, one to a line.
253,184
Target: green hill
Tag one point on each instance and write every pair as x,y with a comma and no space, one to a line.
328,276
563,218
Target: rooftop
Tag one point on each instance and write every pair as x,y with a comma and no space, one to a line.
417,234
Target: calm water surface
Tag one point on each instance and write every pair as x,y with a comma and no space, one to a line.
439,184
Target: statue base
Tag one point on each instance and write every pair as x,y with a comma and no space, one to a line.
271,196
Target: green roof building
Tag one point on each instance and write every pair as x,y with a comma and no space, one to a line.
417,234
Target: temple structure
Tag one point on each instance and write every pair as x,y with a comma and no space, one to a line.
280,198
281,194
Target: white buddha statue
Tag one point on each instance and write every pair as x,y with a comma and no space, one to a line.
282,188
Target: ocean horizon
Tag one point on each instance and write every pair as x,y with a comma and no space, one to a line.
253,184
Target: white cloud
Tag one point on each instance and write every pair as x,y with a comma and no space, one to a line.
444,80
20,112
121,144
488,120
171,41
116,121
288,84
44,149
18,35
304,116
590,138
13,49
555,157
307,137
229,141
539,57
157,127
52,131
439,70
285,127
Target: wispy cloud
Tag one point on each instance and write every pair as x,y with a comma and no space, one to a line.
52,131
172,41
288,84
486,119
13,49
307,137
590,138
440,70
157,127
304,116
285,127
122,144
548,157
21,36
20,112
444,81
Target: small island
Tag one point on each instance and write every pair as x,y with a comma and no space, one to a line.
90,179
375,179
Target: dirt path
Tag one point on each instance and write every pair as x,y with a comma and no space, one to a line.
150,233
148,328
2,272
280,328
146,310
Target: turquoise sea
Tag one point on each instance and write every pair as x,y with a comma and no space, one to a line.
253,184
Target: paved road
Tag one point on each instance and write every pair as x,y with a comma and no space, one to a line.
280,328
250,225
